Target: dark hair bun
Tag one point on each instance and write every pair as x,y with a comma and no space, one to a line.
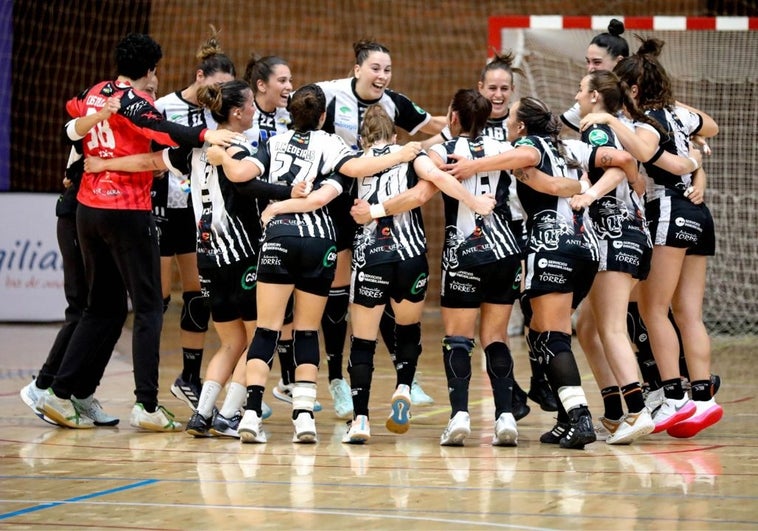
615,27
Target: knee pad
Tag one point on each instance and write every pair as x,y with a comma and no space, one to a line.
289,311
196,311
547,345
263,346
408,342
166,302
387,328
499,360
337,304
456,355
334,320
305,344
361,352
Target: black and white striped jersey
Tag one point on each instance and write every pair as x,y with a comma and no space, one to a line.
680,123
344,110
266,125
495,128
173,191
228,228
294,157
470,239
391,238
620,209
551,222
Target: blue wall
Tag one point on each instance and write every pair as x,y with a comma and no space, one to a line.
6,52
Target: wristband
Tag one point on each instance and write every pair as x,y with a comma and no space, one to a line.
695,165
377,211
592,193
446,134
584,186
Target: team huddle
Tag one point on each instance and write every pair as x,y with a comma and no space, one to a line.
288,210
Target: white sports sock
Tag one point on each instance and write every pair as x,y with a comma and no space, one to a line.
207,399
235,398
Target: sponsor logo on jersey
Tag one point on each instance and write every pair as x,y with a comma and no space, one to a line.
249,278
462,287
420,283
524,141
330,257
598,137
370,293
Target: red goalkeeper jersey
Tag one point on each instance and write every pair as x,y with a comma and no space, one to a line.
128,132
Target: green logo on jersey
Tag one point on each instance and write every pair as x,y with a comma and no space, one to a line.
598,137
524,141
345,109
330,258
249,278
419,109
420,283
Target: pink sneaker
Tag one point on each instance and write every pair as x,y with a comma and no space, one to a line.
707,413
673,411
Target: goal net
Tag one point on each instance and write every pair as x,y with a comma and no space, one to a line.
712,63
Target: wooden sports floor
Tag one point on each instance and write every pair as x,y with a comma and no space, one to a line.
119,478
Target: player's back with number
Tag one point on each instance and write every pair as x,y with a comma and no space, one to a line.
127,132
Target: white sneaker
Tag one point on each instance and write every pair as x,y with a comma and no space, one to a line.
358,431
672,412
90,407
30,394
706,414
284,393
62,411
418,396
159,420
654,400
458,428
250,428
400,418
506,433
342,396
606,428
632,427
305,428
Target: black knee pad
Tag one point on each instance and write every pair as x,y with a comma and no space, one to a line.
387,328
336,304
334,319
456,356
196,312
547,345
361,352
263,346
305,343
166,302
499,360
408,342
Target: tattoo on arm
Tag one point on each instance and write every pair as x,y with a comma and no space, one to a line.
521,175
606,160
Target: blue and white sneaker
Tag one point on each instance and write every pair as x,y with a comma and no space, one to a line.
400,418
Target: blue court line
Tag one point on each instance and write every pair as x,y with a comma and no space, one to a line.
50,505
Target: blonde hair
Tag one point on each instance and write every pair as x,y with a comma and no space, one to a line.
377,126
